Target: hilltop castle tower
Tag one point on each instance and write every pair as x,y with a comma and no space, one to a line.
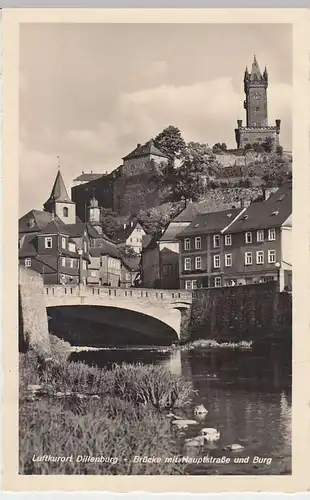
255,104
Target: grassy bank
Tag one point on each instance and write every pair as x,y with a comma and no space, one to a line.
81,410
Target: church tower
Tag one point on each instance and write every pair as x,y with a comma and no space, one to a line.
256,106
59,202
94,214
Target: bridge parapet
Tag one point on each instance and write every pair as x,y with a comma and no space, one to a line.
152,295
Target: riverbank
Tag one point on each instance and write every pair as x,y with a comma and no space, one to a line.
70,410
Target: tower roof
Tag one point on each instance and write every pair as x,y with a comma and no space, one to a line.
255,71
59,192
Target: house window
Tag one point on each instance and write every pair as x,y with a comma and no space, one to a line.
48,242
216,240
167,269
187,264
93,274
84,265
217,281
198,263
260,235
85,246
71,262
27,262
71,247
248,258
198,243
248,237
271,234
260,257
228,259
271,256
216,261
63,262
65,211
228,240
63,242
194,284
187,244
127,276
188,285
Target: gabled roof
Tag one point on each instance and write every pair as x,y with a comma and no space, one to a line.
39,219
106,248
122,234
271,213
210,222
28,246
172,231
147,149
59,192
55,227
87,177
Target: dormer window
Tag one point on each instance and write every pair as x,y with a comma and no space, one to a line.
65,211
63,242
31,222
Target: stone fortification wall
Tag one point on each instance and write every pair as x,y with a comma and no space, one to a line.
32,313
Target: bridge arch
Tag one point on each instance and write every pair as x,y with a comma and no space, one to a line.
165,306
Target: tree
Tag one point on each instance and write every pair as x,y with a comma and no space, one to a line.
279,150
247,147
198,165
128,252
110,221
170,142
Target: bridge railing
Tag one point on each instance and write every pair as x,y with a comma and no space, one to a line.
135,293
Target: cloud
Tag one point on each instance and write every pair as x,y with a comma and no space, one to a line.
204,111
156,70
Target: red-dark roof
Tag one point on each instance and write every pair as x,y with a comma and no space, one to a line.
106,248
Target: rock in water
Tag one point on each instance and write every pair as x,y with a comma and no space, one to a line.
210,434
183,424
234,447
200,410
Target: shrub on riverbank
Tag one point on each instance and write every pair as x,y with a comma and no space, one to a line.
89,411
138,383
213,344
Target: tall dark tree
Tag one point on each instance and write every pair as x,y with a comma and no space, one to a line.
170,142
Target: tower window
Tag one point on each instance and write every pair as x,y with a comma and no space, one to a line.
65,211
257,108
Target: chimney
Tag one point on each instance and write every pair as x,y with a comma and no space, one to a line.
138,145
131,224
82,171
91,171
241,203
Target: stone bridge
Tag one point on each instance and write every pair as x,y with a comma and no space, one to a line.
164,306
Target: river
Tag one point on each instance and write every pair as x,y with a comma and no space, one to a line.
247,394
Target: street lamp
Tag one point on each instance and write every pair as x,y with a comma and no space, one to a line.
80,253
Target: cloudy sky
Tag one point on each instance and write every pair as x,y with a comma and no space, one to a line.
90,92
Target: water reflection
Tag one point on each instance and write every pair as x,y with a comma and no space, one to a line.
247,395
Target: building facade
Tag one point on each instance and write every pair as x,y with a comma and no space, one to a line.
142,156
130,235
254,247
257,129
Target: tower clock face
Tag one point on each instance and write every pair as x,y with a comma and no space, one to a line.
257,95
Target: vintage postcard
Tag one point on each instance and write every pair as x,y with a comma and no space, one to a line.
156,255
